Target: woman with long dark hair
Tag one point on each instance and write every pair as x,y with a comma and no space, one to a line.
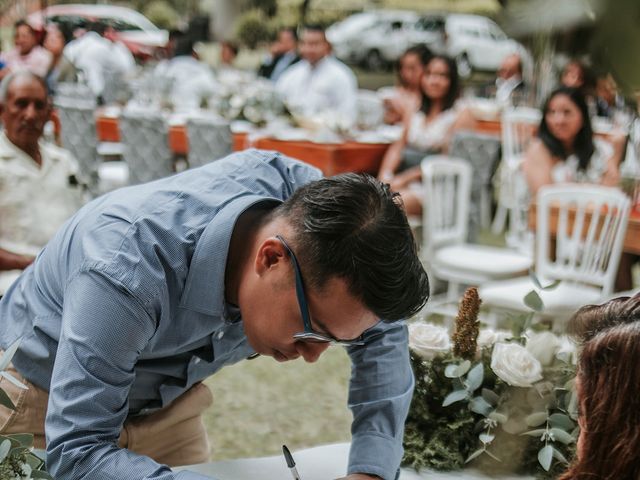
406,97
607,384
428,130
566,151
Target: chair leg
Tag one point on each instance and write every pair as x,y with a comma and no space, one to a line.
500,220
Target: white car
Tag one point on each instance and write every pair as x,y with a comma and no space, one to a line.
133,29
477,43
377,38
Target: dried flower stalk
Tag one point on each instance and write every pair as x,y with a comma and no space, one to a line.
465,337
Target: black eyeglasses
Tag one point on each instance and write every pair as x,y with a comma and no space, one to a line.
309,334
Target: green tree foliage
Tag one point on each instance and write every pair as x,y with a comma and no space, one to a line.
162,14
252,28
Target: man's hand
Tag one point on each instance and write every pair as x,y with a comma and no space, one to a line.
360,476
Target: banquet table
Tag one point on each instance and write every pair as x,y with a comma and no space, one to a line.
318,463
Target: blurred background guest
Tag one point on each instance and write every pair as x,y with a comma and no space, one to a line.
282,54
607,387
609,100
99,59
406,96
566,150
191,81
319,83
39,184
61,69
228,54
27,54
509,81
427,131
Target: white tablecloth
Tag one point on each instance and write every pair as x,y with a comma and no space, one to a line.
318,463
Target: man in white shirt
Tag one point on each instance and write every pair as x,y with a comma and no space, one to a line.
99,58
39,186
319,85
509,78
284,53
27,54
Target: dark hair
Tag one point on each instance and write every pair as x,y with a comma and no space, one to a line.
98,27
421,51
607,383
291,30
354,227
23,23
183,45
587,75
583,146
454,85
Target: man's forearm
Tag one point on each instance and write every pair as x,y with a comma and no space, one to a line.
14,261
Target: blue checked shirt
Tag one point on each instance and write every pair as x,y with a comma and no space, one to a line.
124,310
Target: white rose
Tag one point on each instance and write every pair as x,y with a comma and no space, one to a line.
488,337
515,365
428,340
543,346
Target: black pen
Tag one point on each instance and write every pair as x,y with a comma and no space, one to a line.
290,463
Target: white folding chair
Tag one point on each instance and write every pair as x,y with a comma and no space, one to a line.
209,137
144,134
447,190
518,127
591,223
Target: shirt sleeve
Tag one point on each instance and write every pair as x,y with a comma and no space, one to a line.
104,330
380,393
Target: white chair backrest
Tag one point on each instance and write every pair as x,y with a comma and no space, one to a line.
210,139
518,127
591,224
144,134
447,190
370,109
78,133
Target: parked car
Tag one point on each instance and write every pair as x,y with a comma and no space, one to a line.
478,43
376,39
133,29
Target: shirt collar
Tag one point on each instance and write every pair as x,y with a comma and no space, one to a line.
10,150
204,288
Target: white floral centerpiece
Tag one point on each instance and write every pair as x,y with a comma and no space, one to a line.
500,400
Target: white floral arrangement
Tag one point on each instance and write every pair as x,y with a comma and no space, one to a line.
501,401
255,101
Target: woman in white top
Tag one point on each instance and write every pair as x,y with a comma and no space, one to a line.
428,130
566,151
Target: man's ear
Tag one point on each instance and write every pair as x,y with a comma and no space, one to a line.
271,254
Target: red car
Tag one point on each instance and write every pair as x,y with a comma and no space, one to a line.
142,37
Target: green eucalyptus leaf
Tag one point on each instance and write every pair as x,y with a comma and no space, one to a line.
475,378
498,417
493,456
558,456
545,456
41,474
8,355
560,420
5,400
480,405
35,461
536,419
454,396
451,371
486,438
475,454
21,439
533,301
534,279
5,446
490,396
535,433
561,436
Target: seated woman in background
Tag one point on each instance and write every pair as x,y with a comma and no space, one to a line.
566,150
405,98
607,387
427,131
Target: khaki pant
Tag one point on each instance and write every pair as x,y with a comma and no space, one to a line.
174,435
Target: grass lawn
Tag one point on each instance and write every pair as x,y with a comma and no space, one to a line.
261,404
